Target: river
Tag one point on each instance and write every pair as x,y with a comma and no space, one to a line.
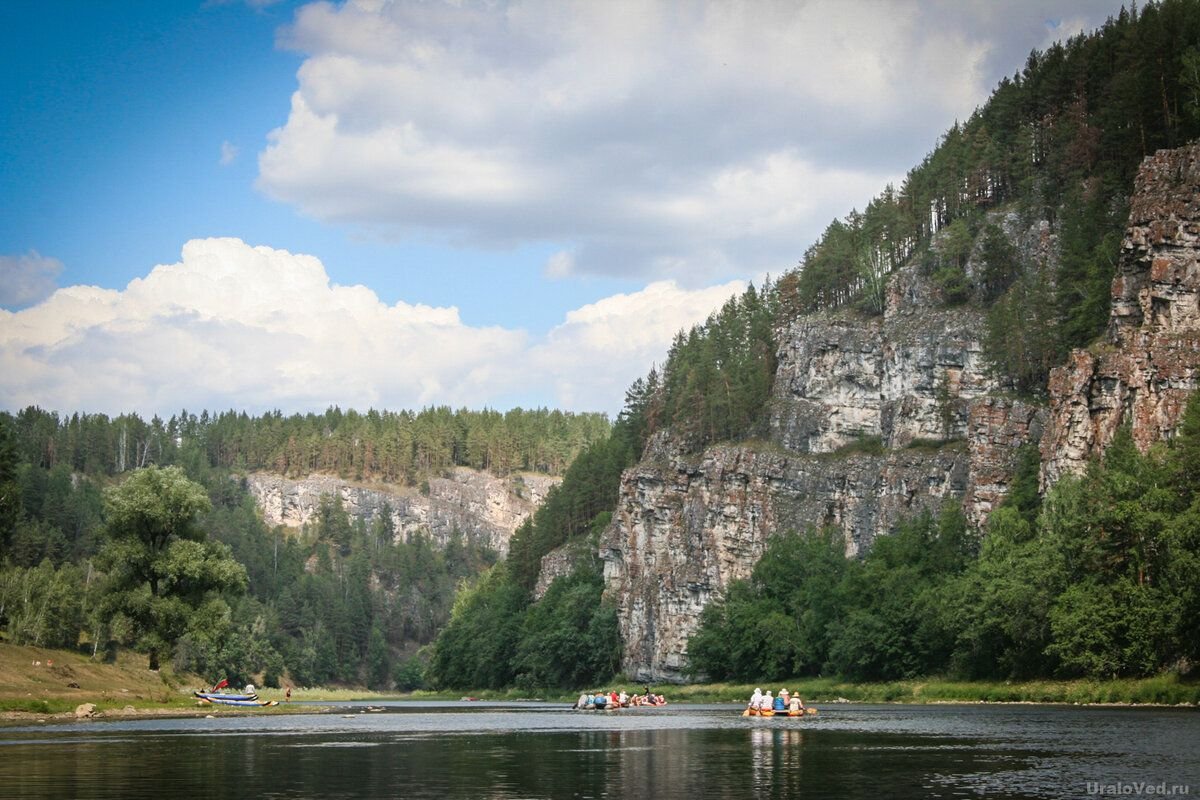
538,750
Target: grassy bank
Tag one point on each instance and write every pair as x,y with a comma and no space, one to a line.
1161,690
39,681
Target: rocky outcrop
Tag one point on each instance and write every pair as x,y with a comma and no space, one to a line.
1147,369
561,562
482,507
997,427
902,377
687,525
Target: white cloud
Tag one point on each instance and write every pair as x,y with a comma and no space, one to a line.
235,326
683,140
229,153
603,347
27,279
559,265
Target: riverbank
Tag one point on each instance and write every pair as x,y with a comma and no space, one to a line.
1168,690
41,684
1163,690
37,684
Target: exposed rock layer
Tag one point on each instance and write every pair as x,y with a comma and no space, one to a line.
1147,370
483,508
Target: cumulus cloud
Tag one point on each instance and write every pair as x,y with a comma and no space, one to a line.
235,326
658,139
685,140
601,348
27,279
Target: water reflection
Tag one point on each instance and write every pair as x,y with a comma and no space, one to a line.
546,752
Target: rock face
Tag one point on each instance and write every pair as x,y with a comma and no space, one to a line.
873,419
904,377
996,428
686,526
868,425
1147,370
484,508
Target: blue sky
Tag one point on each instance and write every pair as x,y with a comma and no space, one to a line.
487,204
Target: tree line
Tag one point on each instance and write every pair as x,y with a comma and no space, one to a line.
393,447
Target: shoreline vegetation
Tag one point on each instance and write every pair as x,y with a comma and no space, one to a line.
42,685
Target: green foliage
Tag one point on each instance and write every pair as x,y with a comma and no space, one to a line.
953,247
1022,339
409,675
43,606
475,648
1090,233
1023,494
568,638
999,609
159,569
779,622
717,378
10,491
1000,264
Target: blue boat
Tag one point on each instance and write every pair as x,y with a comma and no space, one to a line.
234,699
226,696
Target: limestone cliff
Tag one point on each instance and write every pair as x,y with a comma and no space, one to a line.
1146,370
869,423
873,419
484,508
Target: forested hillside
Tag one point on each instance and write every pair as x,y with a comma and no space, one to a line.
341,601
1055,148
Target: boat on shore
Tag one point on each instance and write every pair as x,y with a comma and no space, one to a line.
234,699
225,695
247,697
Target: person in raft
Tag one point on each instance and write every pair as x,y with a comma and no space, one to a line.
795,704
755,700
780,703
767,702
582,701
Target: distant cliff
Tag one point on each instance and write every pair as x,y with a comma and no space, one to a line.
876,418
483,508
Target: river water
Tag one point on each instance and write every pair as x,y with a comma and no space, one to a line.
537,750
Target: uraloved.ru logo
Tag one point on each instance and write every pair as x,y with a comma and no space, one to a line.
1138,789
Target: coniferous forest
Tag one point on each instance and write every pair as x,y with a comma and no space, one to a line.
342,602
1097,578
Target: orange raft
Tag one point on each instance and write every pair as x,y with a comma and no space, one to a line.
767,712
